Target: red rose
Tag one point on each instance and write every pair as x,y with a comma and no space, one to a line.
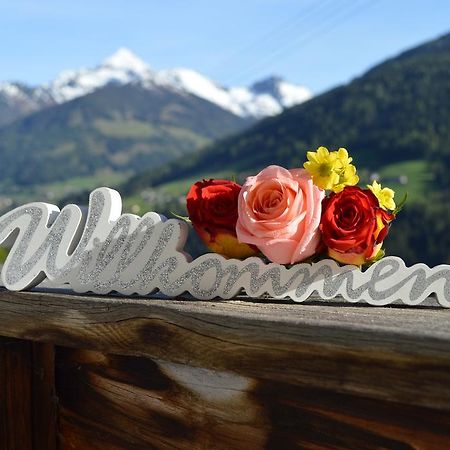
212,208
353,225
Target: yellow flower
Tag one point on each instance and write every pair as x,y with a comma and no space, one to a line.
385,196
347,171
347,177
331,170
322,165
343,158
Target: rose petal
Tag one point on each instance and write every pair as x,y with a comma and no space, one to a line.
279,211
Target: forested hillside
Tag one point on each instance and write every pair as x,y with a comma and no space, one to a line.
119,128
398,111
394,120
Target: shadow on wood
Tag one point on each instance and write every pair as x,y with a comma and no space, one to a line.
27,396
121,402
108,373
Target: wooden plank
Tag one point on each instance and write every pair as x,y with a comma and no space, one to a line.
44,400
27,399
395,354
124,402
15,395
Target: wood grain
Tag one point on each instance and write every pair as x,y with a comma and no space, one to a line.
395,354
123,403
15,395
120,373
44,401
27,398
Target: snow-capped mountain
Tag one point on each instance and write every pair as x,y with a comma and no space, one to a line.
18,100
123,67
264,98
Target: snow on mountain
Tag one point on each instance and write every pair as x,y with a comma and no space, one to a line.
18,100
264,98
13,93
126,60
122,67
11,90
186,80
285,93
291,94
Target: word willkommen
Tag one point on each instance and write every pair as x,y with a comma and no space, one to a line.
110,251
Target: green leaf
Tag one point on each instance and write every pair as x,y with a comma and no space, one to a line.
400,205
185,218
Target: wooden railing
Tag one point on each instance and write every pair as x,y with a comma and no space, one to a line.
100,373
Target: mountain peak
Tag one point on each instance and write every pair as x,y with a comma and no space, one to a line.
123,58
287,94
265,98
267,83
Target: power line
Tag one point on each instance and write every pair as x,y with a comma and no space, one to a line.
269,38
335,20
327,23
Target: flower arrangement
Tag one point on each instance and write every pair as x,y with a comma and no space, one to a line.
295,215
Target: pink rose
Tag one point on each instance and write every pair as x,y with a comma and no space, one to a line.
279,212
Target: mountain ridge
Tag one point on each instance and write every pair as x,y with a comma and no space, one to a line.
124,67
121,128
395,111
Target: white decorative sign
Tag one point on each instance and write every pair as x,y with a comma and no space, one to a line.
111,251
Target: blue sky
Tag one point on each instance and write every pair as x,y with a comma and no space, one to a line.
318,43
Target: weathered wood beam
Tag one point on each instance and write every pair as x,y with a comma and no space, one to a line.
44,399
120,402
395,354
15,395
27,398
